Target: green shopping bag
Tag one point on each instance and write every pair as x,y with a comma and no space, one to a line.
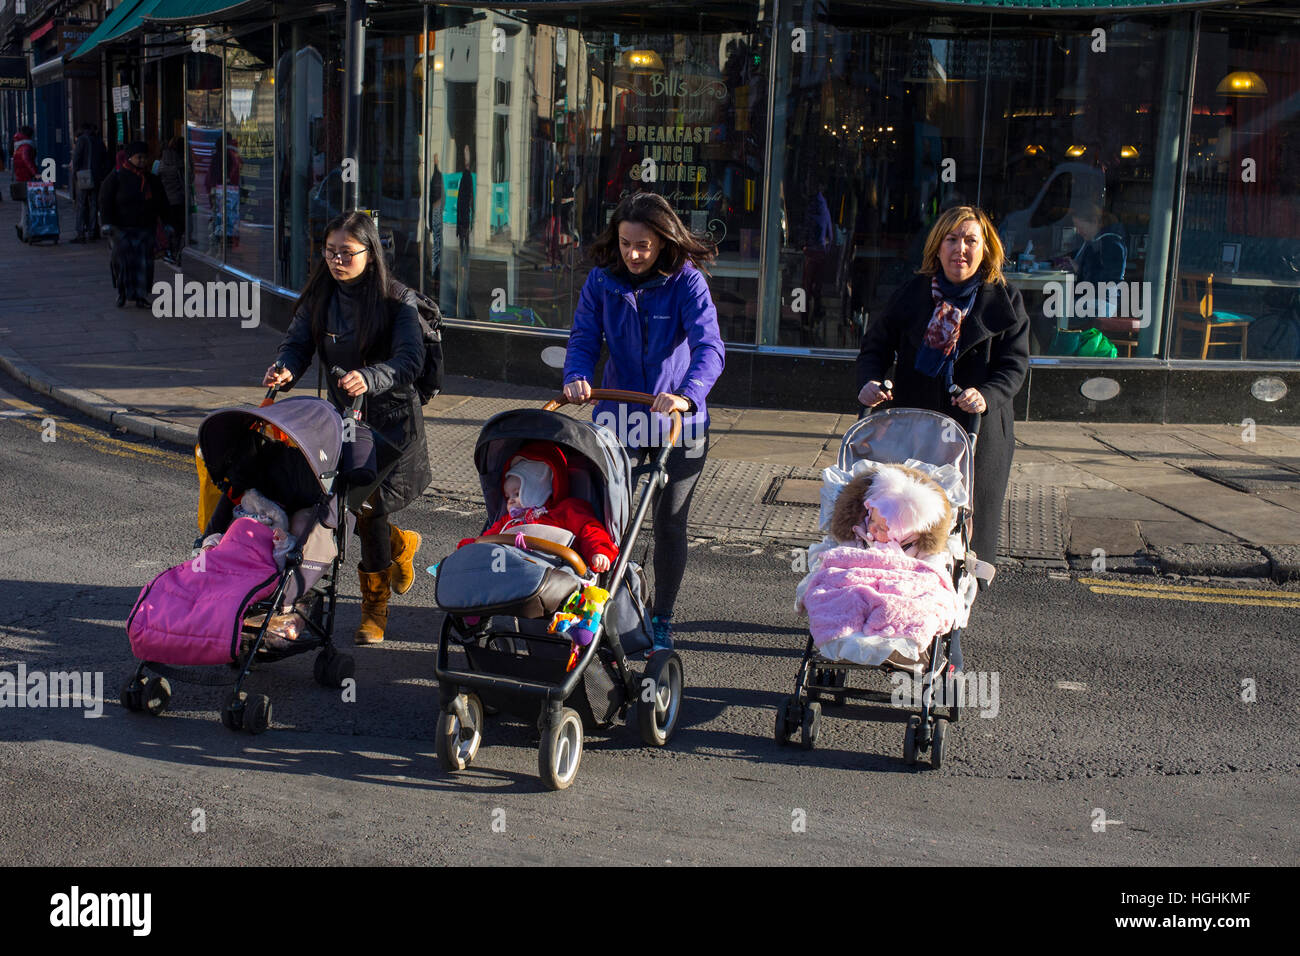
1089,343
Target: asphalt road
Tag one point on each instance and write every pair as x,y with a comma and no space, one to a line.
1111,707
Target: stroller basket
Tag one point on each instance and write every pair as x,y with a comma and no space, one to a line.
542,660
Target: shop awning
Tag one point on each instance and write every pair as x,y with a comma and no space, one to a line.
124,18
1067,6
175,12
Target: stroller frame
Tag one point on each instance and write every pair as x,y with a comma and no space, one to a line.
331,667
658,689
927,724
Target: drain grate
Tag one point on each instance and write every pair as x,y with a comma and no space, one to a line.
794,492
1035,523
1252,479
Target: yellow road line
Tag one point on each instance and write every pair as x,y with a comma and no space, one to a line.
1187,588
70,431
1198,598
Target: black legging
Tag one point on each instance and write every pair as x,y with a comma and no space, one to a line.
670,512
376,547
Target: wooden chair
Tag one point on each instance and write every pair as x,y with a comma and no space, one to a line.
1194,308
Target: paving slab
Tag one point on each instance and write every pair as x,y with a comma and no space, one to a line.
1111,536
1102,504
1183,532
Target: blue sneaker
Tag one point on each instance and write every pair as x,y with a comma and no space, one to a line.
663,634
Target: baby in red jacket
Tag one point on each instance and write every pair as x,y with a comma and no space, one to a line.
536,487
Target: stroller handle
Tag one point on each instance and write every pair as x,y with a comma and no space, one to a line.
618,395
568,555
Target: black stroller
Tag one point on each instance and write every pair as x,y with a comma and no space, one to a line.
499,600
292,452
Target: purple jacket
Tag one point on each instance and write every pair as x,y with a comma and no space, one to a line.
662,337
193,614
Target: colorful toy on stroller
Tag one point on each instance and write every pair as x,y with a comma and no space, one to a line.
508,596
874,604
222,606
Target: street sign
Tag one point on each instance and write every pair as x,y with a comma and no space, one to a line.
13,73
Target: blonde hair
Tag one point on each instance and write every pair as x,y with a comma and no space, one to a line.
994,251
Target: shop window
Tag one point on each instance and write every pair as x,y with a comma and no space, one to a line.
1239,258
581,102
891,120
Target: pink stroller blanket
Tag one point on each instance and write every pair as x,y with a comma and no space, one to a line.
194,613
862,592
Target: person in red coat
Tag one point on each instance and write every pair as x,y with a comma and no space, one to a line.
25,155
536,487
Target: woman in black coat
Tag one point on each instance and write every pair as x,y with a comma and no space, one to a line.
132,201
356,317
957,323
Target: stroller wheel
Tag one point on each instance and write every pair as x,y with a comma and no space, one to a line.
232,712
157,695
909,740
660,700
132,695
457,743
811,725
257,713
786,719
937,743
331,668
561,750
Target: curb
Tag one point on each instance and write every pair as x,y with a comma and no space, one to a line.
93,405
1279,563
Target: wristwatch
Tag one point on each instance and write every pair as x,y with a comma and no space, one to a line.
692,408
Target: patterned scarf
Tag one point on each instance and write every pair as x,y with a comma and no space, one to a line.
938,350
144,180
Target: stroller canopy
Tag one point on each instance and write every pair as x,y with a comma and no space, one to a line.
896,434
312,424
585,445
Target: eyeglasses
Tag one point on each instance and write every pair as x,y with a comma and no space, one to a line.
343,258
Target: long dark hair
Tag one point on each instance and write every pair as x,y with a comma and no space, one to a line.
378,283
651,209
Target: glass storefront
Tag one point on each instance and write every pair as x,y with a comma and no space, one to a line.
815,141
1062,128
1237,293
309,146
540,122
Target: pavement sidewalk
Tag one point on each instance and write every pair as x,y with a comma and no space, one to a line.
1217,500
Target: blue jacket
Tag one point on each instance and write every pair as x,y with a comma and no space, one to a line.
662,337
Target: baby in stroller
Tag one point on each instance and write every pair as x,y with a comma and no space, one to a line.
880,584
536,489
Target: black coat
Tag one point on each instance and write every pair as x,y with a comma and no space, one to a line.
992,356
123,203
391,406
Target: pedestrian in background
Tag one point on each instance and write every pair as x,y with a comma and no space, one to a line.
132,202
648,303
24,149
83,183
171,172
354,314
957,322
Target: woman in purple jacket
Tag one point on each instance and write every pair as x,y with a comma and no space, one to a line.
648,303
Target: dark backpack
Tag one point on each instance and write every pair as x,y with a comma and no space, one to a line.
429,382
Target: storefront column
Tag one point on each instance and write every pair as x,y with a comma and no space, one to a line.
769,266
354,54
1167,179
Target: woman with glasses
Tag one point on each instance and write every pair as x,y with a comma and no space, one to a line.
354,315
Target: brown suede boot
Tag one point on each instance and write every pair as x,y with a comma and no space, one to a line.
374,606
401,575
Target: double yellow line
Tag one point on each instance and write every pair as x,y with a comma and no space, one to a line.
33,418
1188,592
